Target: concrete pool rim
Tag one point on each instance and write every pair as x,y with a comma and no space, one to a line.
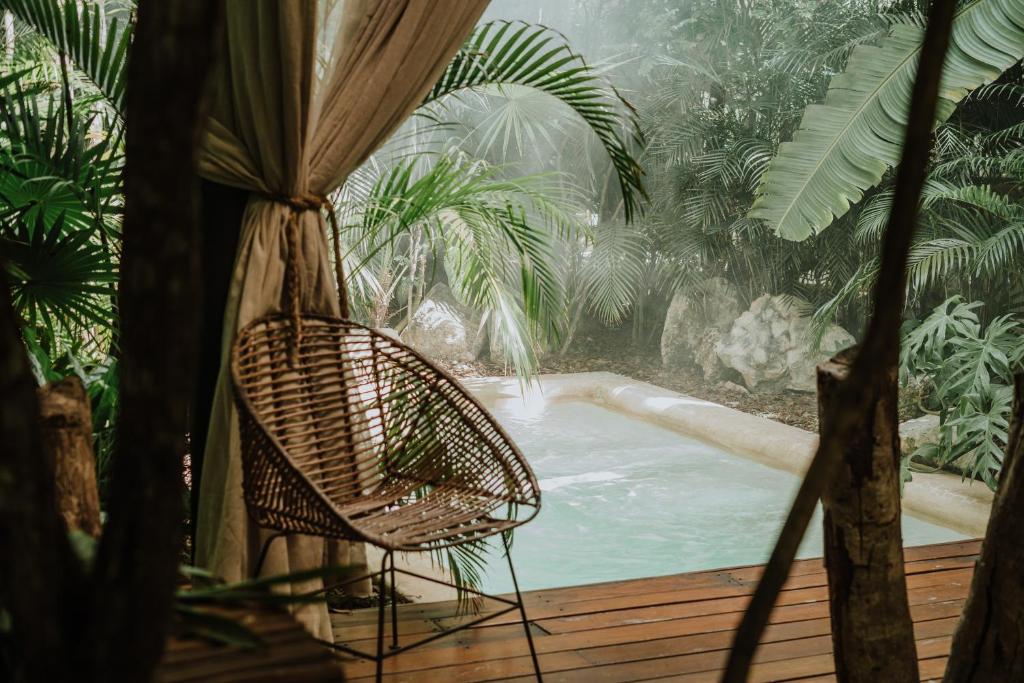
941,497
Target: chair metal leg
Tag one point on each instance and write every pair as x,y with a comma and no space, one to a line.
394,606
522,609
380,615
263,551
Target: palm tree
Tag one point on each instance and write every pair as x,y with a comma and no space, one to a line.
444,199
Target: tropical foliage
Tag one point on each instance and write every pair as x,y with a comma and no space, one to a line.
422,209
61,162
750,141
971,370
845,145
447,199
784,118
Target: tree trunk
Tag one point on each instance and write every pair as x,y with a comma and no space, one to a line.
988,646
66,422
137,561
38,574
856,398
872,632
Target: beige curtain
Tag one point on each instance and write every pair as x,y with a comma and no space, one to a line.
307,90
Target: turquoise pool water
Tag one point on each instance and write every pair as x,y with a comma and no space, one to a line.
623,498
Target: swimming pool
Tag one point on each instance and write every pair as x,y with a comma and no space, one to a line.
624,498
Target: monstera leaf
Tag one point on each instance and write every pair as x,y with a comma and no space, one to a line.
845,145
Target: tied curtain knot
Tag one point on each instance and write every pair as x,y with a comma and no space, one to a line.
299,204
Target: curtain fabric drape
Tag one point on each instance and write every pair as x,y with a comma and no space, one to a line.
307,90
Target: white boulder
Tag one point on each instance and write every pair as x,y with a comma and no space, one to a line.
713,305
770,346
705,356
918,432
444,329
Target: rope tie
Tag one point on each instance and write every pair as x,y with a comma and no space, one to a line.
299,204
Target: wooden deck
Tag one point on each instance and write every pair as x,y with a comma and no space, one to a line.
674,628
289,654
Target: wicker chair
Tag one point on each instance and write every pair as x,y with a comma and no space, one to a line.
348,434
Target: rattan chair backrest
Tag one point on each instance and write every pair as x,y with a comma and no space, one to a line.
351,417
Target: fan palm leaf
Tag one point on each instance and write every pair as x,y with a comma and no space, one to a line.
58,277
52,171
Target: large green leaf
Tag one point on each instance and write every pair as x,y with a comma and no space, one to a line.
97,47
845,145
516,53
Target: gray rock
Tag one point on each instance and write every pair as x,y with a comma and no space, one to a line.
732,388
918,432
706,358
924,430
713,305
769,345
803,375
444,329
389,332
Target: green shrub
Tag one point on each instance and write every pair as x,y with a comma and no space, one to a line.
972,371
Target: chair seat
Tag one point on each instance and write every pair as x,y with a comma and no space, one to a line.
391,518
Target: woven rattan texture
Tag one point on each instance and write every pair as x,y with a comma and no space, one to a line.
361,438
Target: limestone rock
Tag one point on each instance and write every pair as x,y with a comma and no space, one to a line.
769,345
802,363
732,388
924,430
713,305
706,358
444,329
918,432
389,332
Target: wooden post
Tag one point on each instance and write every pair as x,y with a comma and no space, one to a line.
38,572
988,646
872,632
66,429
136,567
857,397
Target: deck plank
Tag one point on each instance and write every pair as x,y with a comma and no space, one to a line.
664,628
288,654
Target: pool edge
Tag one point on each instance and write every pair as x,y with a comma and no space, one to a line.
941,497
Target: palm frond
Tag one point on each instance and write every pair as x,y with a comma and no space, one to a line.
58,277
98,48
496,237
516,53
614,270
